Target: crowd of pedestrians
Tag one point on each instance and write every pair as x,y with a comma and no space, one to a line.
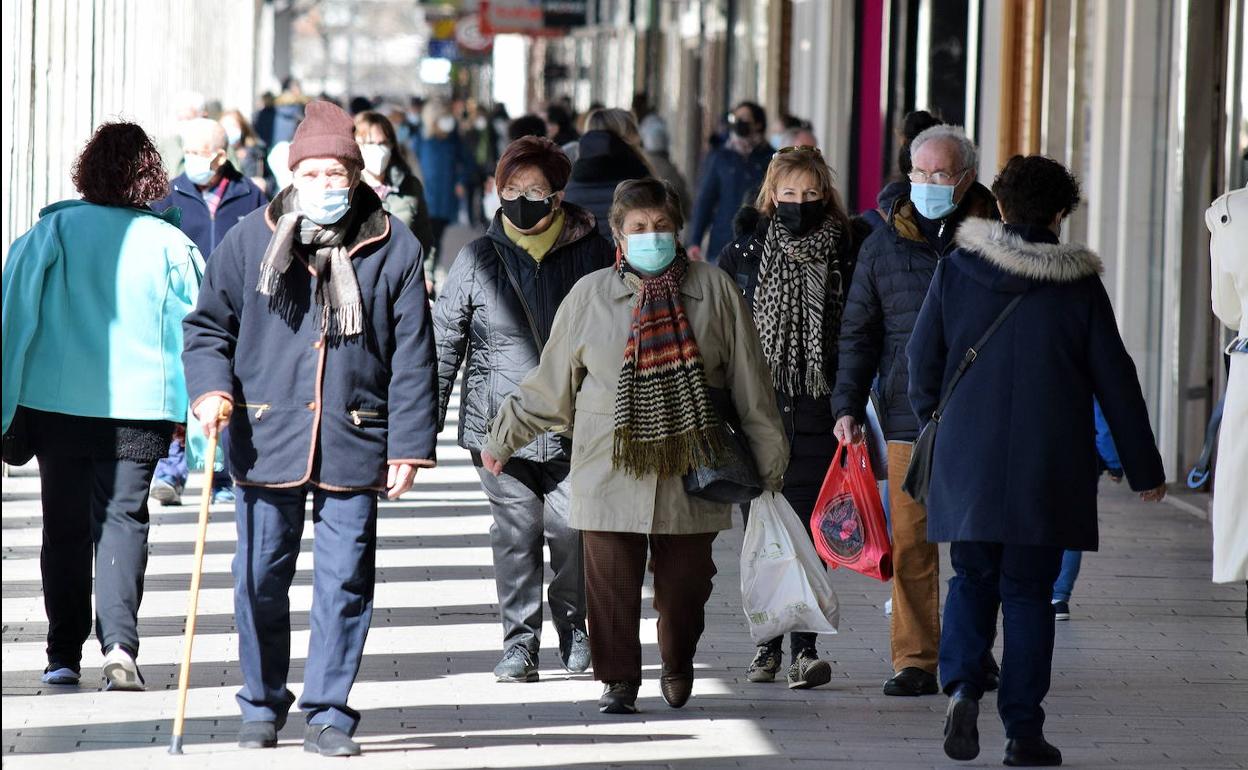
279,284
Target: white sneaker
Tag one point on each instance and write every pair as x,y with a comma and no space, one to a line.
121,672
888,607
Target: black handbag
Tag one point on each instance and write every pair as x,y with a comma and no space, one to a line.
918,479
17,447
736,480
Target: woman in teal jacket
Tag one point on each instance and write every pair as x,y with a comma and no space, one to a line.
94,296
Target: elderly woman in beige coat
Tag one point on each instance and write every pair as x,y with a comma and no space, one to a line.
636,398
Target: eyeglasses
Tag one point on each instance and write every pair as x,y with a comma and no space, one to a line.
533,194
936,177
800,148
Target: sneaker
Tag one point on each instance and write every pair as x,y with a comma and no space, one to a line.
223,495
1061,610
55,673
619,698
166,491
519,664
121,672
888,607
329,741
574,651
808,671
766,664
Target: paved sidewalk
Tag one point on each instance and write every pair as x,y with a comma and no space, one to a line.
1152,671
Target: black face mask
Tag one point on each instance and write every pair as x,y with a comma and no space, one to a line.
524,213
743,129
801,218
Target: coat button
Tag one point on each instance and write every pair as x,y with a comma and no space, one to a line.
312,406
316,345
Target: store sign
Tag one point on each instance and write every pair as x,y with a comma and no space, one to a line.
469,36
532,17
443,49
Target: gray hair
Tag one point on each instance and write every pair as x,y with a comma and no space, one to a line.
955,135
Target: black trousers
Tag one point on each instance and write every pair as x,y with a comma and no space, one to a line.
93,507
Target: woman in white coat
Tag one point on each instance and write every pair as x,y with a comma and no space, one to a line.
1227,219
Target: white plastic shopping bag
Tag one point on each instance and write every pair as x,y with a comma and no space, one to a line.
784,583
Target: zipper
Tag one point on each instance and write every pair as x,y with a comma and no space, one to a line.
359,415
260,408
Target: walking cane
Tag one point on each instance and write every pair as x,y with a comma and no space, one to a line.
184,677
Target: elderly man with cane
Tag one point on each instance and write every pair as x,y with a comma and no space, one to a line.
313,335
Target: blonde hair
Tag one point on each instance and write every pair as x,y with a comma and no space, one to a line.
808,161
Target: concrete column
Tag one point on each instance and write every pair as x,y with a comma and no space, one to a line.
821,84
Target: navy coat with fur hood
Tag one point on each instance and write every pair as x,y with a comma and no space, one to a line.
1015,459
308,409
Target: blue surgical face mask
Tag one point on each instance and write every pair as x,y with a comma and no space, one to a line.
199,169
324,207
651,253
933,201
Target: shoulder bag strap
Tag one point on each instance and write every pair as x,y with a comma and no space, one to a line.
515,287
971,354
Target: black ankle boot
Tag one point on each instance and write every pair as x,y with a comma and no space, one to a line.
1031,752
961,724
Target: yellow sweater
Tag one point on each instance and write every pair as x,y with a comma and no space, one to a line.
539,244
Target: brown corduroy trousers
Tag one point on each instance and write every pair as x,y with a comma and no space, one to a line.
615,568
915,626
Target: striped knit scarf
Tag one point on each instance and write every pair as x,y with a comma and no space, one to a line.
797,309
664,420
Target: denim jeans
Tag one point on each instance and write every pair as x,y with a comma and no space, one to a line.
1064,586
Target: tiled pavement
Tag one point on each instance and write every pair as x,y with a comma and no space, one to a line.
1151,672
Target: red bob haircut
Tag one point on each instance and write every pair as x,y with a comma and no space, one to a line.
536,152
120,166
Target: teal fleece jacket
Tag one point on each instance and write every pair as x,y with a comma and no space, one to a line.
94,298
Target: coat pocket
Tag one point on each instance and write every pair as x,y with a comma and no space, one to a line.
256,410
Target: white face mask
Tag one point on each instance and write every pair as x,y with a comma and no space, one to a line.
376,158
199,169
480,124
325,207
233,133
446,124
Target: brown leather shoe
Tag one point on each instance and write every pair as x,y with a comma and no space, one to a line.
676,688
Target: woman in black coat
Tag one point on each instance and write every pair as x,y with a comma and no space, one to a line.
605,160
496,310
793,264
1014,479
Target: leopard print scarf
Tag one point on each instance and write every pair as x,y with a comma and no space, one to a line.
797,307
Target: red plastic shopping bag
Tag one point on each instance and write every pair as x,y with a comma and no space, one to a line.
848,521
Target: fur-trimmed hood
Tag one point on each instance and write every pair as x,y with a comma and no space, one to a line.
1033,260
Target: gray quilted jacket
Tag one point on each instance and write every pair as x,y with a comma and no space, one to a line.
495,310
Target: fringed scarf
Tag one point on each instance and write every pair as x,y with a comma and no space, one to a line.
796,309
664,420
337,289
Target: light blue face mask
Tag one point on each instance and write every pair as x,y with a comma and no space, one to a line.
324,207
651,253
933,201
